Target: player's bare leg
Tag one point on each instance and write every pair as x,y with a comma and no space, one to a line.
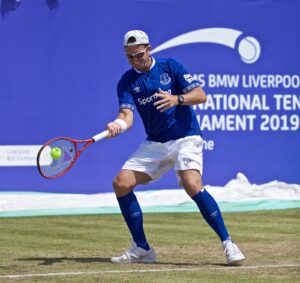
192,182
123,184
127,180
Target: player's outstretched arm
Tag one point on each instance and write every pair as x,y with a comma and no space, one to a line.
123,122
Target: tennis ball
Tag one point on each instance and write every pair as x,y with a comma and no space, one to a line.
55,153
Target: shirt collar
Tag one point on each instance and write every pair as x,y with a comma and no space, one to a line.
152,65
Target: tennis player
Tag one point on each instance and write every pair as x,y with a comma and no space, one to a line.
162,92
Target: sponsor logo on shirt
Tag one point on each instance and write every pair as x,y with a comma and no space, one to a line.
149,99
188,78
144,101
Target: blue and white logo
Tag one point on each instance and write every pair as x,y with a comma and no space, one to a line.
247,47
165,79
137,89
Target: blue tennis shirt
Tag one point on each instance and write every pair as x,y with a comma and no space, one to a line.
136,90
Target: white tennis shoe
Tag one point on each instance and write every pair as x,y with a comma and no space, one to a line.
136,255
233,253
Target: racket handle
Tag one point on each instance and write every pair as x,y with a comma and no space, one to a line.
100,136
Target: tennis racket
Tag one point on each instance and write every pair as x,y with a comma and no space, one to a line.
51,166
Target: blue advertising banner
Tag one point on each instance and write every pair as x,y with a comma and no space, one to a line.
60,62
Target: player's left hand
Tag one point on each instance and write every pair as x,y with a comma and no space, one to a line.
166,102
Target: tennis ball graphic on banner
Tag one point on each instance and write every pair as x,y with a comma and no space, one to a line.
55,153
249,49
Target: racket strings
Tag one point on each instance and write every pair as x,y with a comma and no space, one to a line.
51,167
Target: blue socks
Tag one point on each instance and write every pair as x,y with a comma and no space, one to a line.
133,216
211,213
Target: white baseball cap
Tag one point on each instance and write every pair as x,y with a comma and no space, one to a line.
140,38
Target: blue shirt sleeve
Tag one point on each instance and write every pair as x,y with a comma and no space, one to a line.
183,78
124,95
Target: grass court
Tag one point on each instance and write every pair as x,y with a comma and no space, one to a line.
78,248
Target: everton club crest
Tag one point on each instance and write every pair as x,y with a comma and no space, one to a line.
165,79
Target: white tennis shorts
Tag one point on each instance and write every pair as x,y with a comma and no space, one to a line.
155,158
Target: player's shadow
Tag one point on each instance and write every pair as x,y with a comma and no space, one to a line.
55,260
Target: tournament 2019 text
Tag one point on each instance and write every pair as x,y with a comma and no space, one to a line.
238,102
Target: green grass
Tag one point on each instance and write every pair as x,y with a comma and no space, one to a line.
39,245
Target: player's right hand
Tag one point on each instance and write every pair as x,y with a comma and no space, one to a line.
114,129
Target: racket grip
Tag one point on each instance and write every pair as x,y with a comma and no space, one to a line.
100,136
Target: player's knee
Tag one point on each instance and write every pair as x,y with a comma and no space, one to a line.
122,186
189,183
191,186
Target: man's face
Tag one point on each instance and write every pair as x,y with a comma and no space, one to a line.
138,56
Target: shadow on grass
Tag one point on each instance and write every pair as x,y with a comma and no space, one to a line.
53,260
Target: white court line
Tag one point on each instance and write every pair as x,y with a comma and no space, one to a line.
146,270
